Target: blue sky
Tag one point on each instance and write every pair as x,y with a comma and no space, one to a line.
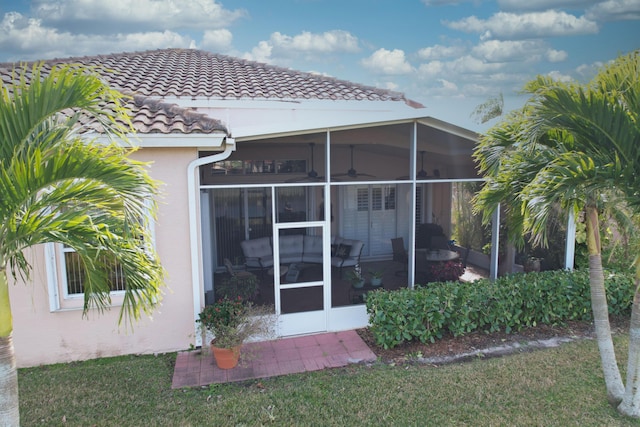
450,55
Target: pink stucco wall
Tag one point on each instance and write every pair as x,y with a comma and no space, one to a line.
44,337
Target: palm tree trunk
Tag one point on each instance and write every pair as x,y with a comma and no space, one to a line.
9,408
630,405
600,308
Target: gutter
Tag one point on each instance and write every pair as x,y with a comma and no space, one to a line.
193,182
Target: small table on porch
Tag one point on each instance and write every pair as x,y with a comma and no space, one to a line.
439,255
426,259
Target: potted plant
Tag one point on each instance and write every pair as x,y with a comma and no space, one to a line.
376,278
232,322
355,277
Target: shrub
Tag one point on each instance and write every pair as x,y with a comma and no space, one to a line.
508,303
403,315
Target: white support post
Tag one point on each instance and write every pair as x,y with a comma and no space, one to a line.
428,210
570,244
495,244
411,276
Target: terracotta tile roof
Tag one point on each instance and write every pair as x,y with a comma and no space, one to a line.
152,116
196,73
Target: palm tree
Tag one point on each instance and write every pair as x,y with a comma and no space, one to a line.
571,145
55,186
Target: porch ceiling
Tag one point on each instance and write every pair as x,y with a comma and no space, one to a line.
383,139
382,151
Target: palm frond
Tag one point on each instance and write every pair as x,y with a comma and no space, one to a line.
58,186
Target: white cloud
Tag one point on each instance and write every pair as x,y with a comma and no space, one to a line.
508,50
439,52
388,62
327,42
471,65
280,47
559,77
19,34
587,71
114,16
556,55
431,69
502,25
447,85
465,69
260,53
390,86
442,2
471,76
544,4
517,51
615,10
217,40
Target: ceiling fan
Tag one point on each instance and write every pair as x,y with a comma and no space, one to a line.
352,173
312,175
423,174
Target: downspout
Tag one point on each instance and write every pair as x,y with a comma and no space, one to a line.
193,184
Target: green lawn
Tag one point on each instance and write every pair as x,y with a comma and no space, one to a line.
558,387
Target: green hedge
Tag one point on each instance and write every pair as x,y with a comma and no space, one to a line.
509,303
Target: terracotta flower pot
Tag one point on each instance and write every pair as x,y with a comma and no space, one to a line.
226,358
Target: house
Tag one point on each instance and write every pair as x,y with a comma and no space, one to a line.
267,156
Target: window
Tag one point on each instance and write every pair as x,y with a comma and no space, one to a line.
74,272
376,199
386,195
363,199
65,277
389,198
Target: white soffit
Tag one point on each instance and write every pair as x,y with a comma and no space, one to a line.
351,120
319,121
449,128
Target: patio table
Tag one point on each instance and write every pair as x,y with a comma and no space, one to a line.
438,255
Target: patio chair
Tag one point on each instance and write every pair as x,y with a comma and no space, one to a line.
400,255
240,274
240,283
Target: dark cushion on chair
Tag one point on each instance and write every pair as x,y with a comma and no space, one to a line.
343,251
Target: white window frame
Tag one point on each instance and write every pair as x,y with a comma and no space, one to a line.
59,298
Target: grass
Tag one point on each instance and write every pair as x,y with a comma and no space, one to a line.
556,387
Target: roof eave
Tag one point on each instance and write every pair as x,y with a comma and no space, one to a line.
172,140
351,121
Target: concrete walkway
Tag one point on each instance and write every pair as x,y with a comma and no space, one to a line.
272,358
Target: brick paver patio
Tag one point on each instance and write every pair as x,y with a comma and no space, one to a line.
272,358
